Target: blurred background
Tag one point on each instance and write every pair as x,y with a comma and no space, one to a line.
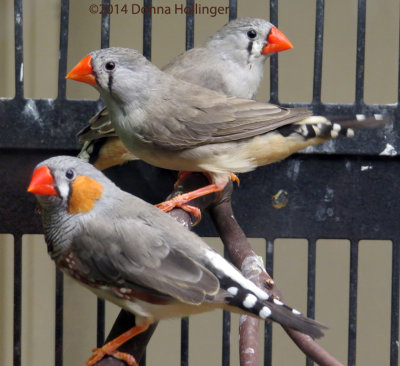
297,22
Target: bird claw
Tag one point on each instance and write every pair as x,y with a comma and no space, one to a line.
100,353
180,202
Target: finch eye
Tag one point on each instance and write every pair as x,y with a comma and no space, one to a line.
70,174
252,34
110,66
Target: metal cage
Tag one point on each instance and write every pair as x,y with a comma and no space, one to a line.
376,213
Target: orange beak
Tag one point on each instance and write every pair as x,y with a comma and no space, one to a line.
83,72
277,42
42,182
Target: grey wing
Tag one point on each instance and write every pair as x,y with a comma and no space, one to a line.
99,126
199,67
199,116
133,254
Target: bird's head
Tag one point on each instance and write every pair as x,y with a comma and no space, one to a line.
65,183
121,74
252,36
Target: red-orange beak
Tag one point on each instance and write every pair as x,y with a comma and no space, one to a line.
42,182
83,72
277,42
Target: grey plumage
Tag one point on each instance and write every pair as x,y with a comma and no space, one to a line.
131,253
223,63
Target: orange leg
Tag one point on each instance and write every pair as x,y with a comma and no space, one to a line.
182,200
181,177
111,347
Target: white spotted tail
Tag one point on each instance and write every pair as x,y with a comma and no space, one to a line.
245,295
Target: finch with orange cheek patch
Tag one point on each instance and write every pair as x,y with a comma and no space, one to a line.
136,256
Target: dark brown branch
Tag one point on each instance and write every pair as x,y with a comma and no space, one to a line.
243,257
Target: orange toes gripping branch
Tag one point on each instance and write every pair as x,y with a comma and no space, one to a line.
110,348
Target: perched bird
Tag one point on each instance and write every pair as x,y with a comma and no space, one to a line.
176,125
230,62
132,254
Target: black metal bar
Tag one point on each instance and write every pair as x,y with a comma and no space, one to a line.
63,52
232,9
360,62
59,318
226,335
226,332
269,265
19,49
394,324
105,24
147,23
351,357
101,321
185,341
273,70
319,41
17,299
190,25
312,254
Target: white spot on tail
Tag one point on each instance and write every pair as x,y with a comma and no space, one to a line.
277,302
264,312
389,151
233,291
360,117
123,290
336,127
378,117
296,312
366,167
249,301
228,270
334,134
350,132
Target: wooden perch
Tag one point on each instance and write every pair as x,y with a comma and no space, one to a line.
243,257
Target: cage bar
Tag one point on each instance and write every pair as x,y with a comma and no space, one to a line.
19,50
273,78
360,61
318,52
351,359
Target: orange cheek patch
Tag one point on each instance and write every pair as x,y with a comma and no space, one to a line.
85,192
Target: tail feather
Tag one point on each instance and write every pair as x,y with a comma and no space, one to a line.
258,303
332,127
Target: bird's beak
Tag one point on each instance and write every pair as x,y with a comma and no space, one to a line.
277,42
42,182
83,72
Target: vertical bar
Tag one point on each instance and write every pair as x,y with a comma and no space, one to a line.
319,42
147,30
226,336
59,318
269,265
360,62
62,62
105,25
19,61
226,332
312,253
394,321
185,341
232,9
190,25
17,299
273,69
351,357
101,319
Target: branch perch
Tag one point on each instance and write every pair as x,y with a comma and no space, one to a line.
242,257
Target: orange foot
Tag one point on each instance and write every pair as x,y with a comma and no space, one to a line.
111,347
182,200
